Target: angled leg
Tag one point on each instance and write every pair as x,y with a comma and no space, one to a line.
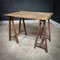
44,40
49,30
24,27
20,25
14,31
10,28
37,35
42,33
45,35
43,43
42,28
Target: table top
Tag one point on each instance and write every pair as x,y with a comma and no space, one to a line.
31,15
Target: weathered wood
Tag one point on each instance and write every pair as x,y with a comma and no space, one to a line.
38,32
15,31
49,30
10,28
24,26
20,25
32,15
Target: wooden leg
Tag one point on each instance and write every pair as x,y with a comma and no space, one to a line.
42,28
9,28
37,35
49,30
42,33
45,35
43,43
44,40
20,25
15,31
24,27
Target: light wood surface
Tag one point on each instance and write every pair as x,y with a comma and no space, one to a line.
31,15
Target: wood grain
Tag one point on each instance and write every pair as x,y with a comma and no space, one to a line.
32,15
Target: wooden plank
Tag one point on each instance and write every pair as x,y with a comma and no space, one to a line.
32,15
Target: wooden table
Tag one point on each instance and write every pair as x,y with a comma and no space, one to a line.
41,16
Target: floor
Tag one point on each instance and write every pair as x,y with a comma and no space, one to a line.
10,50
